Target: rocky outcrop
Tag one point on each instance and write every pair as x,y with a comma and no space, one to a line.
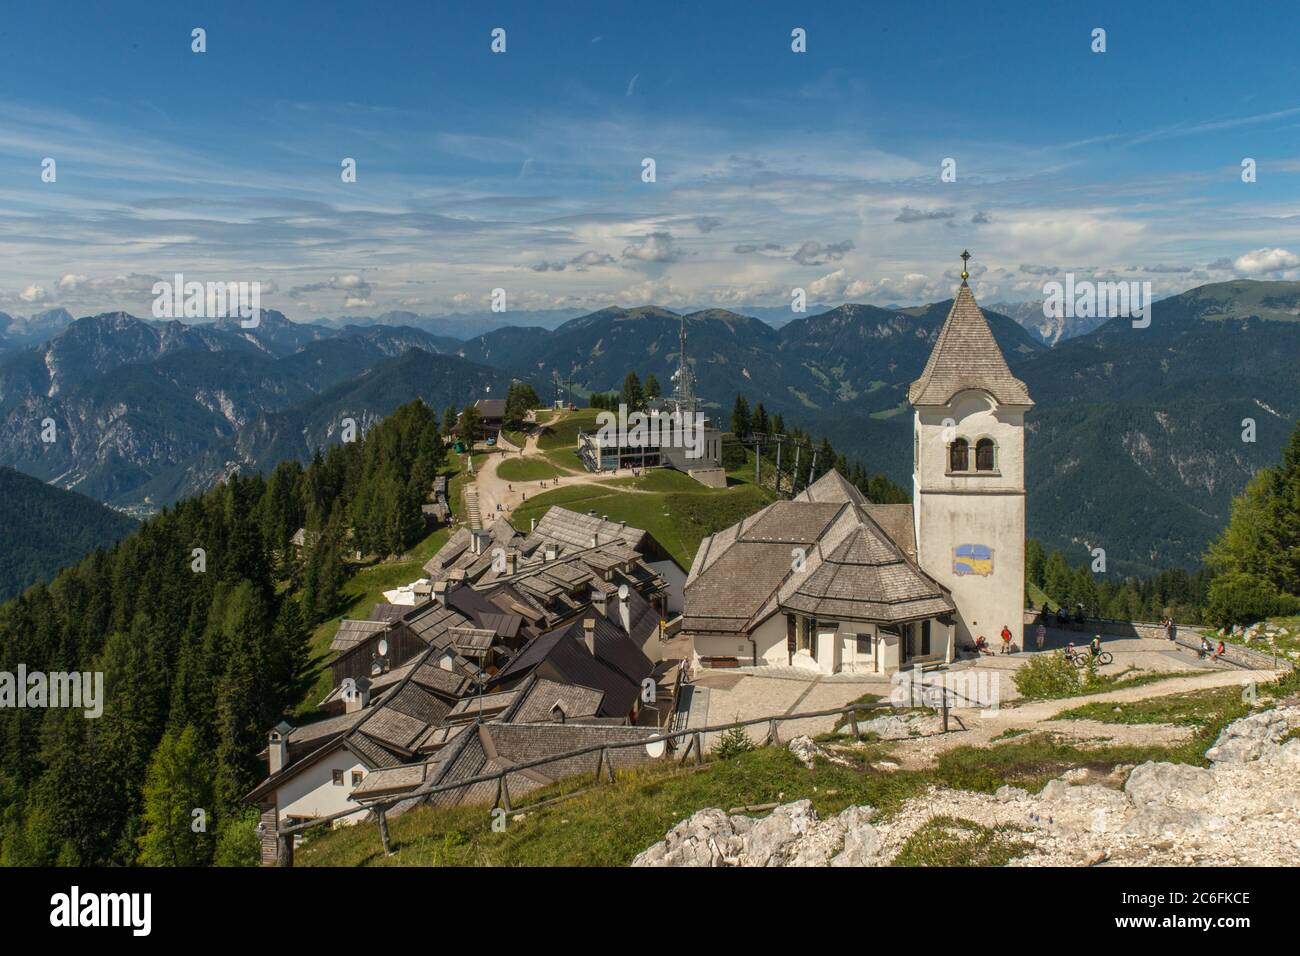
1242,810
792,835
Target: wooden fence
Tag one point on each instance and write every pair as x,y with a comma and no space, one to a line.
604,767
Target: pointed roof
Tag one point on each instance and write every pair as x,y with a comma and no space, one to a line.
967,356
855,568
864,577
833,487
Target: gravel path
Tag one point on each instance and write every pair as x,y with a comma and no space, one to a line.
1038,715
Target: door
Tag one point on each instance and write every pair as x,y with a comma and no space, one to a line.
925,638
789,639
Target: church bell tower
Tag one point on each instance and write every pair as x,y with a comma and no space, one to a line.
968,474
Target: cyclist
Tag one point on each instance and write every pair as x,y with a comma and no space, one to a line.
1095,647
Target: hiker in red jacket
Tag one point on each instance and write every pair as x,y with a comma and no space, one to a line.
1006,639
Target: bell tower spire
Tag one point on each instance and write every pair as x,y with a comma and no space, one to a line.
968,476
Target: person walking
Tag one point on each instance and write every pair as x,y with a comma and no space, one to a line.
1040,635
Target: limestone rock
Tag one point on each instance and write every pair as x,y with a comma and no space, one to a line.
1161,782
1254,736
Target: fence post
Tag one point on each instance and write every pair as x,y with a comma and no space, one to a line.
609,763
505,793
600,763
773,733
383,832
283,849
853,723
699,750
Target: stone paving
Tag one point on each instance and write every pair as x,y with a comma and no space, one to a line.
744,693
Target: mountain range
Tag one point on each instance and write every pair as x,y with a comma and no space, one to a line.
1135,443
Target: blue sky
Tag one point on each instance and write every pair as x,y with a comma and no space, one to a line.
522,170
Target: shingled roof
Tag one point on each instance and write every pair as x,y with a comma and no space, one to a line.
858,563
966,356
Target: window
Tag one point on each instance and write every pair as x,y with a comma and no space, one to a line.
338,778
808,635
864,645
959,455
357,777
984,454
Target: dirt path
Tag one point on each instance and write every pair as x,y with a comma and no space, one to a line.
983,727
494,490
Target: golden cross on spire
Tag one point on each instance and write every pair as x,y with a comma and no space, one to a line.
964,274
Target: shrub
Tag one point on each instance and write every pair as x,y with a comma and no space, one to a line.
1047,676
733,743
238,843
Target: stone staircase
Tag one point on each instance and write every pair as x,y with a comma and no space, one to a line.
472,512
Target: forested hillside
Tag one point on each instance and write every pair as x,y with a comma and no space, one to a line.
202,651
43,528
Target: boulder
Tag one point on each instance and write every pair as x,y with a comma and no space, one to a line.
706,838
771,841
891,726
804,750
862,844
1254,736
1166,783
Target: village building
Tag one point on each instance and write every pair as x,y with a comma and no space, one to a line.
560,639
830,582
671,432
491,412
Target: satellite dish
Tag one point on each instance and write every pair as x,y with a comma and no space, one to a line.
656,748
383,647
622,592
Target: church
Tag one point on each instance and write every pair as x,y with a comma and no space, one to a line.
830,582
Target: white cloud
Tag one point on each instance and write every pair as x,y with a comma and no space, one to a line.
1260,261
33,293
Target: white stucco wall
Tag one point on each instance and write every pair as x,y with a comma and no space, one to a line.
837,648
976,508
312,793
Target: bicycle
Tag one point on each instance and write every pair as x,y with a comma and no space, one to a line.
1080,658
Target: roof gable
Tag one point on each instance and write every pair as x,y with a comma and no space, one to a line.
966,356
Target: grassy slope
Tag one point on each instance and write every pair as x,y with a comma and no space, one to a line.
526,469
675,509
609,825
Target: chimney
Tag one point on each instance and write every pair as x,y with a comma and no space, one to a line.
512,561
589,634
532,524
624,612
277,750
357,697
475,543
439,593
598,604
595,539
550,554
